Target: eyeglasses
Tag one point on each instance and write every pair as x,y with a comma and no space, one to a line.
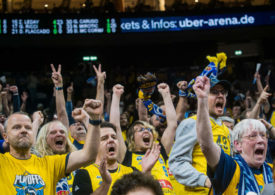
217,92
143,129
254,136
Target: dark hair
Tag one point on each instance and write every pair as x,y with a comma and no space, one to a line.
133,181
108,125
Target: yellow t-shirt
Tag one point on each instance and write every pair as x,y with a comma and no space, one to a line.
221,136
272,119
88,179
32,176
159,171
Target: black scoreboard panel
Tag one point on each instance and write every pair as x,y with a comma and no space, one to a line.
119,27
42,25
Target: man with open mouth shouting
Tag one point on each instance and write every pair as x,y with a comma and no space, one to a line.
247,172
99,177
186,160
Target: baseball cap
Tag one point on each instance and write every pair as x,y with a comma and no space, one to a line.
224,83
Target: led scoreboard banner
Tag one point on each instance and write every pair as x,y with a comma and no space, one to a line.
52,25
56,26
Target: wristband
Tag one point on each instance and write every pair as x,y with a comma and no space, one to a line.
95,122
270,128
58,88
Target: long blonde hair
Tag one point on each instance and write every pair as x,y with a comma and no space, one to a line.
131,134
42,147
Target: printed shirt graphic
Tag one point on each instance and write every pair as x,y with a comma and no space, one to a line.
64,185
29,184
32,176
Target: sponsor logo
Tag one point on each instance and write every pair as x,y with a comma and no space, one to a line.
165,184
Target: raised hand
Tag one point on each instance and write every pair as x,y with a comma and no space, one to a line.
79,114
264,95
118,89
38,117
94,108
56,76
202,86
150,158
14,89
106,177
101,76
107,95
163,88
182,85
70,89
266,124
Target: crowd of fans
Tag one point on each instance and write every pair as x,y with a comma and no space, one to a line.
68,132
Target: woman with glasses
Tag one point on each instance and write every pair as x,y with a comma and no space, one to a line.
141,137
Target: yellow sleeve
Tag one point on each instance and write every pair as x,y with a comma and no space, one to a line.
57,165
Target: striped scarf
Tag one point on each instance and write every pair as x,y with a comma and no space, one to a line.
248,183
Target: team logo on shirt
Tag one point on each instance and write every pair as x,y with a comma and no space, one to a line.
62,187
29,184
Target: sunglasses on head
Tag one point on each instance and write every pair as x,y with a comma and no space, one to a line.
143,129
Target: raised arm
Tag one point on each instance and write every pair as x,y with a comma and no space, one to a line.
59,96
101,76
169,133
257,76
263,99
15,98
69,103
4,95
37,120
92,111
118,90
270,129
210,149
108,97
182,105
24,97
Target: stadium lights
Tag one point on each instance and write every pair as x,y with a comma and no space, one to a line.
89,58
238,52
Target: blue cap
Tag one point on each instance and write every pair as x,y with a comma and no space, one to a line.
224,83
